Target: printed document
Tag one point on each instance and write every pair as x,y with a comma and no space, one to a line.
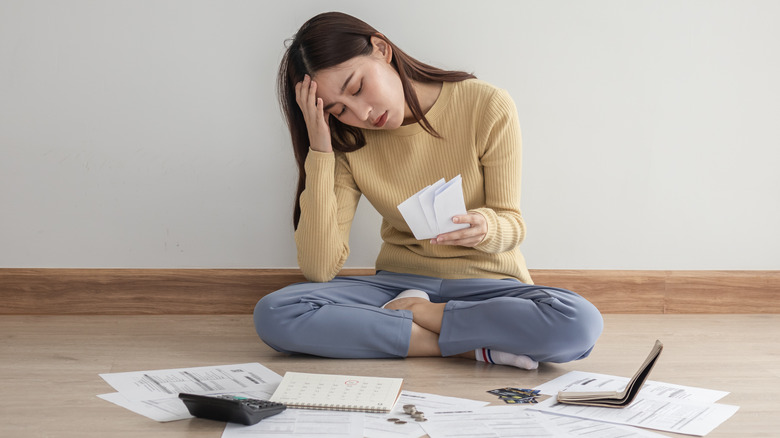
582,381
503,421
302,423
378,426
154,394
660,406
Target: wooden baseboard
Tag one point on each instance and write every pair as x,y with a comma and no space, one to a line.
235,291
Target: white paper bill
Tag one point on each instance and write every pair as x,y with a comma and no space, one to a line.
155,394
489,422
584,381
157,384
304,423
429,212
660,413
432,405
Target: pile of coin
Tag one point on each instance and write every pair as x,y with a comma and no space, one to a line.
412,411
417,415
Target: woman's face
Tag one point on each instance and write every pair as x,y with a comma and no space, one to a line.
364,92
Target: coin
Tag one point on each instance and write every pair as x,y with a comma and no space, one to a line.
393,419
400,422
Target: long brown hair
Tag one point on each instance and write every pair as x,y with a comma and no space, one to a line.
327,40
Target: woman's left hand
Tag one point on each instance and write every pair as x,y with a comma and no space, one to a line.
469,237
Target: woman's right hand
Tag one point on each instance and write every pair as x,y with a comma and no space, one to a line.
314,115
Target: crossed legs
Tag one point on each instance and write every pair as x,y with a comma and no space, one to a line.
343,318
426,325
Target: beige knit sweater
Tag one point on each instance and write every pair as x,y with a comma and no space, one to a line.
480,141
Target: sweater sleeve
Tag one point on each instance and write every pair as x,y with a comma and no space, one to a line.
501,159
328,205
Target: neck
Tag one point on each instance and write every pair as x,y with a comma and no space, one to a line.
427,94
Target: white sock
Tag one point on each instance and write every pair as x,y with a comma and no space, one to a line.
408,293
502,358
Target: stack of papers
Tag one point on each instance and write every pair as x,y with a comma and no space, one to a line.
429,212
155,394
660,406
502,421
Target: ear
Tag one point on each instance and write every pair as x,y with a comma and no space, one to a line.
381,48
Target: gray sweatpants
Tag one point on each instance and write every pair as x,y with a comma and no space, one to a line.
343,318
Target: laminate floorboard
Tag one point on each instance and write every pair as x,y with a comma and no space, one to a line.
49,367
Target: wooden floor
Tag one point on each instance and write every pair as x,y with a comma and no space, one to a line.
49,367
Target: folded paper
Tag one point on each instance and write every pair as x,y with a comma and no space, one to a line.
429,212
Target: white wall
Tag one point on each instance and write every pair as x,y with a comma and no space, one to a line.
147,134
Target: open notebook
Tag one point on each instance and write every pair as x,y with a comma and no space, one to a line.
337,392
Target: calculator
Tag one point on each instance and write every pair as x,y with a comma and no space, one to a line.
230,408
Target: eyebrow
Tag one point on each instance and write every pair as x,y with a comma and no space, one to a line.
343,87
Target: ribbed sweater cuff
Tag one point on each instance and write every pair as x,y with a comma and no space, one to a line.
493,242
319,169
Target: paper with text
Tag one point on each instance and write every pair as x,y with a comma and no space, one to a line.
150,385
171,408
585,381
377,425
503,421
154,394
302,423
659,406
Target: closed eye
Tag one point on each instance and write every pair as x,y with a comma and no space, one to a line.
344,107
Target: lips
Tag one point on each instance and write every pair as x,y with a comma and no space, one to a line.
380,122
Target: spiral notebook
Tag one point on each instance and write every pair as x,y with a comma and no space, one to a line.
337,392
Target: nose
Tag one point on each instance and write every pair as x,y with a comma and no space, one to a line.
363,111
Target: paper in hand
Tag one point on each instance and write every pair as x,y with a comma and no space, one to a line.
429,212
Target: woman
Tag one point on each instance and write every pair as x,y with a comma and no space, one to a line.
366,119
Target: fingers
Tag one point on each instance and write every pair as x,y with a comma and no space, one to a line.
321,114
311,105
469,237
469,242
314,114
306,95
311,99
